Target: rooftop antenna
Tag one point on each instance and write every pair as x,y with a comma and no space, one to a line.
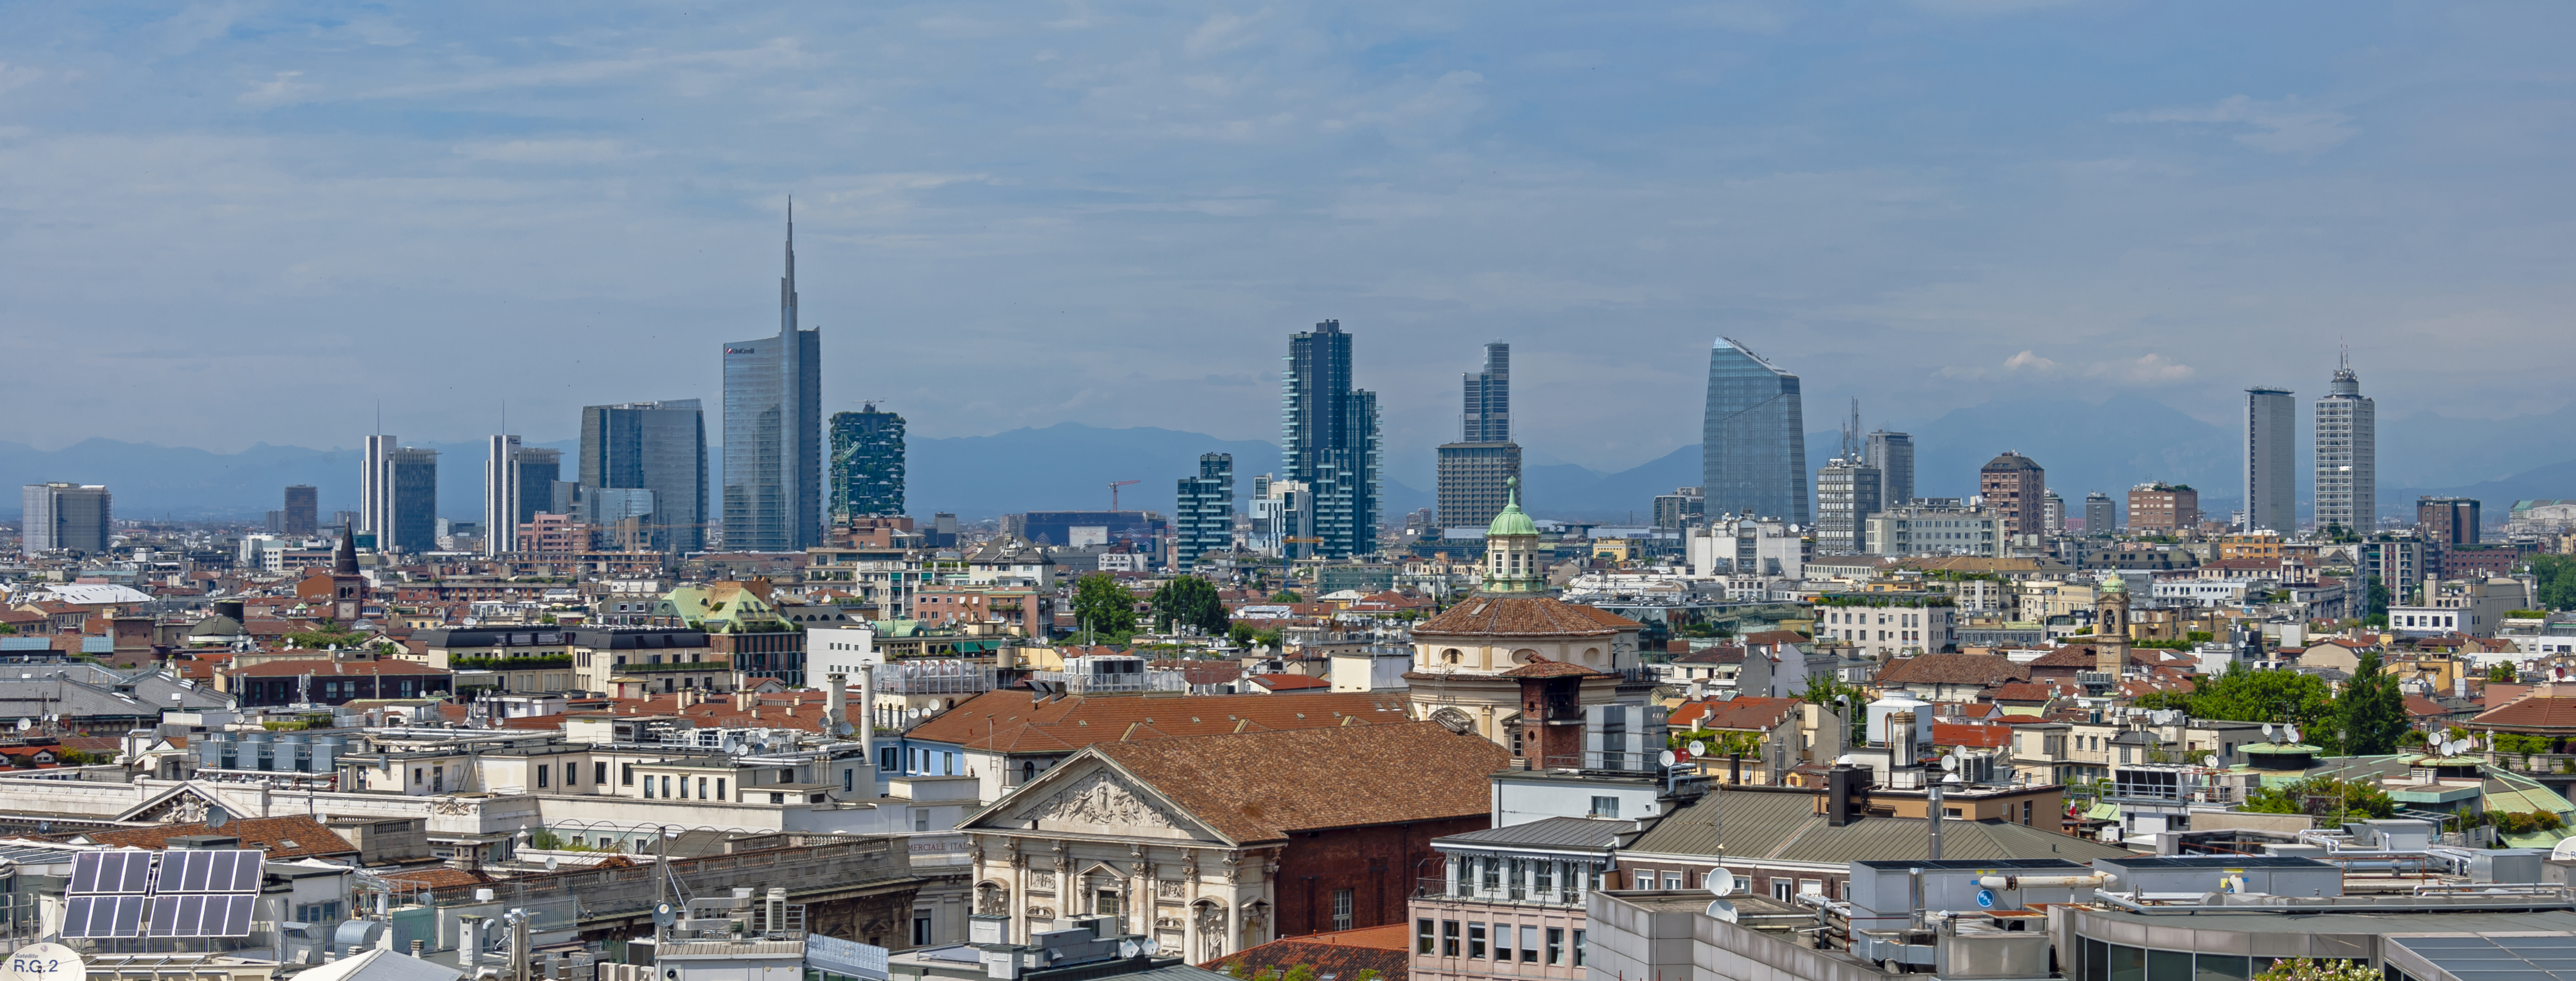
1851,432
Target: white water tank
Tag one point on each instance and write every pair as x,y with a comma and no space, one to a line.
1900,701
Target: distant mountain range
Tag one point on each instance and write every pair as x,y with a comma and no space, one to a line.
2109,447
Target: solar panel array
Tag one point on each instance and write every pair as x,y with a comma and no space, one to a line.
194,894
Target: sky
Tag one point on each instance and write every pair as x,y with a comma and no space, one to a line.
246,222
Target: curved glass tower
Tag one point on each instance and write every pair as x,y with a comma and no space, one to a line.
1753,443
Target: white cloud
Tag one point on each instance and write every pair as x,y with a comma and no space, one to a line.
13,76
2029,361
1224,32
2287,126
2150,369
282,88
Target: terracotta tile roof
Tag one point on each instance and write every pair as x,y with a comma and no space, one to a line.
281,837
1732,713
1262,786
1540,667
1771,637
1341,955
1953,669
1013,720
2024,691
2531,714
1524,616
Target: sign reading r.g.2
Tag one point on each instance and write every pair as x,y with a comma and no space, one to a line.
44,962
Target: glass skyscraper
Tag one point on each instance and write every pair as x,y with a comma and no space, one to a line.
1329,440
2271,460
660,447
1203,513
867,463
1476,472
1753,442
773,425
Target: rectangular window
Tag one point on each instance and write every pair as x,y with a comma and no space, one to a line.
720,788
1448,938
1422,937
1545,878
2220,967
1529,945
648,787
1605,807
626,773
702,789
1475,940
920,928
1672,880
1490,872
1555,945
2169,965
544,770
1578,948
2128,963
599,773
666,786
1342,909
1645,880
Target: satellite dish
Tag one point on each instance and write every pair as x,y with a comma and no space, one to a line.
1721,911
217,817
1698,748
847,728
1129,948
1665,757
2292,732
2267,730
1721,881
43,962
1151,946
550,863
664,915
25,723
1950,763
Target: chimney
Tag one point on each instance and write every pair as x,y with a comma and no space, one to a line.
836,702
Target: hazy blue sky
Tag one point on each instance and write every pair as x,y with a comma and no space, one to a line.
250,221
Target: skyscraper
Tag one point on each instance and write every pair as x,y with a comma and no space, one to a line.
1329,440
2016,487
2053,513
659,447
1476,472
303,511
409,521
2101,515
867,464
1753,441
68,517
1893,455
539,471
2271,460
373,495
2347,455
501,495
773,426
1203,515
2447,521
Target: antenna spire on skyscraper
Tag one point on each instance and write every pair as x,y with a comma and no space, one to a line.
787,285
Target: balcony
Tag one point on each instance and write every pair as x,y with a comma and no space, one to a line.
1560,894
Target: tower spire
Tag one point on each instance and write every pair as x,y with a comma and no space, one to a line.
787,285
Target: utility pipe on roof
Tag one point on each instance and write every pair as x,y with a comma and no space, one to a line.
2094,880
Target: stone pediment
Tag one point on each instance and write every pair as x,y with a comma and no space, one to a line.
1098,801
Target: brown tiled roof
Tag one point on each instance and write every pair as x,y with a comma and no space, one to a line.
1953,669
1732,713
1341,955
1775,637
441,877
281,837
2068,657
1289,682
1524,616
1540,667
1978,736
1012,720
2531,714
2023,691
1263,786
1712,655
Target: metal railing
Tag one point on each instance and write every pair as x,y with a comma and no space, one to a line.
2211,794
1563,893
1096,684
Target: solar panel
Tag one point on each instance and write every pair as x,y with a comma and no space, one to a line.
118,873
104,916
202,915
210,871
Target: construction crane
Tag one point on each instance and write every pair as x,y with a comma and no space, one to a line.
1113,491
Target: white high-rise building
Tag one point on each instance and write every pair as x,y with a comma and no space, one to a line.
2271,460
2347,455
375,495
501,496
71,517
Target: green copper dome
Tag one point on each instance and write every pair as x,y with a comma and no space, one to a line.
2114,585
1511,520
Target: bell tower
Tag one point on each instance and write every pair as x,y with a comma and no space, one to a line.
1511,549
2111,627
348,587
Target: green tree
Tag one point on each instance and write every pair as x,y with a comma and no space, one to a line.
1102,606
2501,671
2557,575
2243,695
326,635
2372,711
2300,969
2332,801
1286,596
1301,972
1240,633
1191,602
1266,638
2375,601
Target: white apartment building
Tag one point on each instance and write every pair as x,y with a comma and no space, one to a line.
1935,530
1758,547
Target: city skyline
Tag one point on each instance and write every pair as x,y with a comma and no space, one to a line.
611,246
